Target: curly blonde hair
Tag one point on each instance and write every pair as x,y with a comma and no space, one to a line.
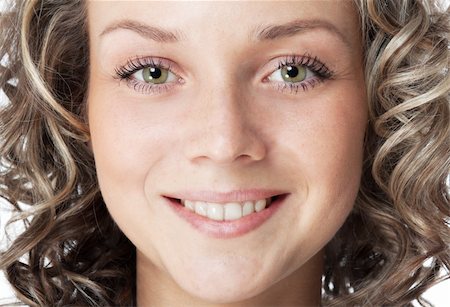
389,251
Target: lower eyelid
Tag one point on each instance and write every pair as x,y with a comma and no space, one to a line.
148,88
153,88
295,88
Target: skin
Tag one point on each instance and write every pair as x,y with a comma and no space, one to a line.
225,127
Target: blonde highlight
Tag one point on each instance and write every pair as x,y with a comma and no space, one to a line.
47,165
402,210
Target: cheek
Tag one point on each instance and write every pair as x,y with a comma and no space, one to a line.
337,164
325,146
126,146
340,140
128,137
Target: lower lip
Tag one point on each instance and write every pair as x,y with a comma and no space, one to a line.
226,229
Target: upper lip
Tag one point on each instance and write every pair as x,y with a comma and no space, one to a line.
224,197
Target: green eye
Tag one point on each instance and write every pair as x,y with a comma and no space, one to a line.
293,73
155,75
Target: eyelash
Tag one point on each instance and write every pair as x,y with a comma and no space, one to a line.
137,63
314,64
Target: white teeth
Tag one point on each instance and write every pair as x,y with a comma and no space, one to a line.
189,204
260,205
201,208
248,208
228,211
215,211
233,211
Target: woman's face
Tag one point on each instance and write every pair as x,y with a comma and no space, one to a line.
222,107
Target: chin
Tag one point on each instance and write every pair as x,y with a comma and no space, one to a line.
224,288
220,294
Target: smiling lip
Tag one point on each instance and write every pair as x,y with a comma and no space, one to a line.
226,229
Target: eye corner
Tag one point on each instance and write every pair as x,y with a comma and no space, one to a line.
266,78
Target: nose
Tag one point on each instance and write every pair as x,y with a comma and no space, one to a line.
224,129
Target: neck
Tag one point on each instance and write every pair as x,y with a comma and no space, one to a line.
155,287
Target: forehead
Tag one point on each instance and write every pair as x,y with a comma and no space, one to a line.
226,21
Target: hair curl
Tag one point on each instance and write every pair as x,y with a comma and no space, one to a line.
77,255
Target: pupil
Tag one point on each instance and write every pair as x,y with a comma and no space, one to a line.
155,73
292,71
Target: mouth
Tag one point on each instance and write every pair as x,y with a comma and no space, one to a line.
229,211
228,219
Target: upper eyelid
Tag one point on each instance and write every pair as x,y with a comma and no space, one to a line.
140,62
277,62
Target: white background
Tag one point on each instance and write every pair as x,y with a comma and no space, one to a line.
438,295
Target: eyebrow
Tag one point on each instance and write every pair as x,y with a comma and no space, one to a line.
272,32
260,33
147,31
